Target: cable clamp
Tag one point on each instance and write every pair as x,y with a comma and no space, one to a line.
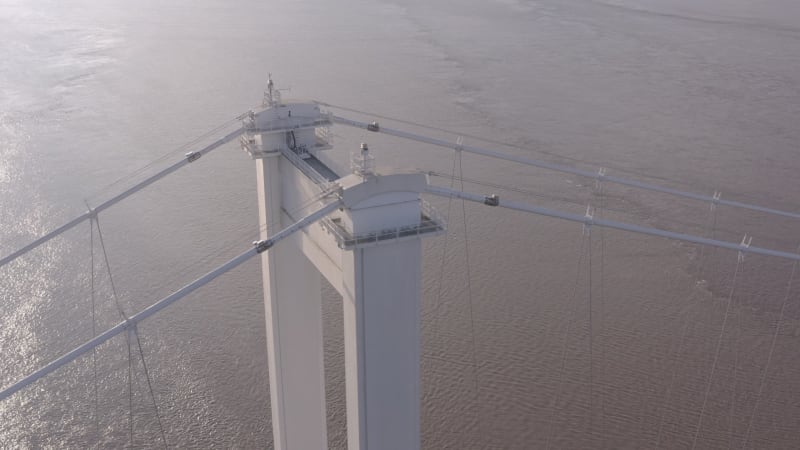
334,189
491,200
744,246
90,212
715,199
601,176
588,220
459,144
263,245
374,126
193,156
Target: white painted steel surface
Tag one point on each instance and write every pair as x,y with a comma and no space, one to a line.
381,301
380,288
293,310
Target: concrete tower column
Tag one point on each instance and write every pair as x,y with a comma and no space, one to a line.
382,354
292,303
381,289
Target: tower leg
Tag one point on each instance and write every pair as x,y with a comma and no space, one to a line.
382,347
292,304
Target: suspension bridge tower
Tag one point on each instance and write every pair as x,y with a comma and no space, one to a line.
369,250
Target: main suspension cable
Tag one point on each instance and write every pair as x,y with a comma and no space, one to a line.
181,148
495,201
484,139
193,156
559,168
258,248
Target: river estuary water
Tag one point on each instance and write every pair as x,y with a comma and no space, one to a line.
535,336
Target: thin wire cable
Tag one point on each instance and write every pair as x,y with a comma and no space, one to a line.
309,202
251,235
124,316
469,293
130,386
736,343
490,141
711,232
716,353
591,345
551,197
182,147
601,214
263,228
511,189
778,325
560,380
120,310
440,288
672,380
94,330
150,386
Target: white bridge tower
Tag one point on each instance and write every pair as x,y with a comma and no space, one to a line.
369,250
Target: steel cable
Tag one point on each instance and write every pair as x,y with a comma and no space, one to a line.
564,347
778,325
469,294
717,352
94,329
150,386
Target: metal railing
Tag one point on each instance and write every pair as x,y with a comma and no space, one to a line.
307,170
289,123
430,222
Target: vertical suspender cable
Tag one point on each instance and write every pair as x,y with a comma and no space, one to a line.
130,386
711,232
778,325
469,289
716,353
108,270
124,316
602,368
444,250
150,386
736,343
591,345
564,347
673,378
94,329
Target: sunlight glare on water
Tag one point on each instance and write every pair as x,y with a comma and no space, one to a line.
696,95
